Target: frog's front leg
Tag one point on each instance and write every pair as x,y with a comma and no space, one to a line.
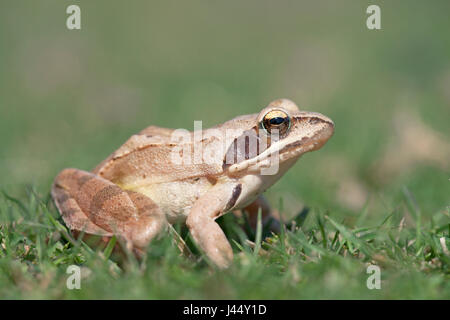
205,231
89,203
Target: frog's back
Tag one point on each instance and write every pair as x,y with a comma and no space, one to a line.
144,160
148,157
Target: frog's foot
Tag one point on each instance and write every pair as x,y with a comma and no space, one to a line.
269,216
95,205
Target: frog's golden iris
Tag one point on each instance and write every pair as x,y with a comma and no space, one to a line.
276,119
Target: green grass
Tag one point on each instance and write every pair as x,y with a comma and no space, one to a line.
70,98
318,257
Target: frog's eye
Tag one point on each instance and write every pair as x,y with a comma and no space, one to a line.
276,119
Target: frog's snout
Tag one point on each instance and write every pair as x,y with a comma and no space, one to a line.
329,127
324,129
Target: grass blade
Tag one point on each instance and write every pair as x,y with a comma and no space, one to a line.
258,233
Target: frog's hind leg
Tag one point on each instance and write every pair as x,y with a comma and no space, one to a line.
95,205
65,196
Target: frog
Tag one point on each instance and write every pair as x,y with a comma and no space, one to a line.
159,177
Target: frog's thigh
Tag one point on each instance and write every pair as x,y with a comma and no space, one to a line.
95,205
268,215
205,231
65,187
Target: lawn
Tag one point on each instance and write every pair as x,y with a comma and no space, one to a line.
378,193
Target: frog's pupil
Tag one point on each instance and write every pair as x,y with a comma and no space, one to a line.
276,121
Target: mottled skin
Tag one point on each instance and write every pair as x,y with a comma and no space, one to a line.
138,190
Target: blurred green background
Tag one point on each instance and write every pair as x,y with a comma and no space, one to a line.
68,98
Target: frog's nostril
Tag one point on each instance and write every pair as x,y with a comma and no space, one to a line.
325,119
320,119
313,120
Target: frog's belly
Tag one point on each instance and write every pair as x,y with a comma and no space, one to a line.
175,199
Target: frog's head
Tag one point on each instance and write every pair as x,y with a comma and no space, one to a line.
287,132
